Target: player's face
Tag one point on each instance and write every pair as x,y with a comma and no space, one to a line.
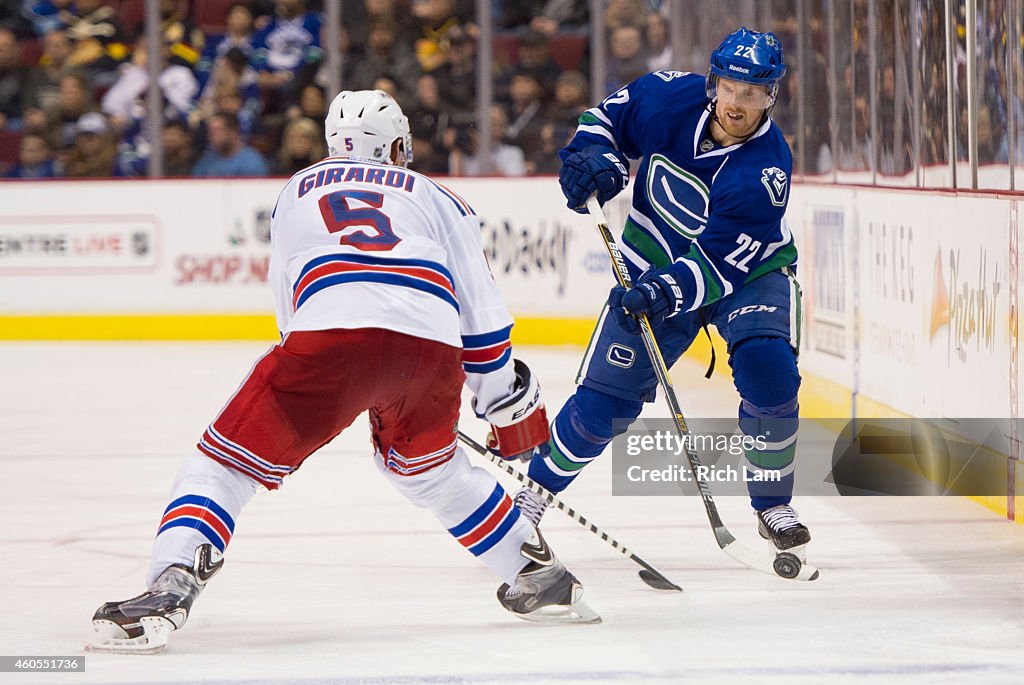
739,106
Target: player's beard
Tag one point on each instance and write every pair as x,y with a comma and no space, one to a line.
739,130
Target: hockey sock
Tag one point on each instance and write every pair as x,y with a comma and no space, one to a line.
774,429
765,373
579,434
205,501
474,507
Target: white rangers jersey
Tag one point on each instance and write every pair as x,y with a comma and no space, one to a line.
358,244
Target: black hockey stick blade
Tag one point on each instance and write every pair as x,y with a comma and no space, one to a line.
649,574
658,581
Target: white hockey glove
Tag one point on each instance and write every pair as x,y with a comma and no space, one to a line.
519,422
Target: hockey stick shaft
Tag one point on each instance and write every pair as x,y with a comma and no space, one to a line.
662,583
722,534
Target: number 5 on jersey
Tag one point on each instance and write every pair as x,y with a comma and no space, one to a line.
339,216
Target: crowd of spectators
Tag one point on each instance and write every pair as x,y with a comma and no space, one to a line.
908,48
244,84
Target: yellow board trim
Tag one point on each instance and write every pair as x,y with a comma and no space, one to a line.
819,398
527,331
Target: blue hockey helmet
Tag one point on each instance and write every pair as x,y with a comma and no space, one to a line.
750,57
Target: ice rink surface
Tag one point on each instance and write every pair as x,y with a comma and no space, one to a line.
337,579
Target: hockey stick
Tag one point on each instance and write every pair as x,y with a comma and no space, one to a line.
725,539
649,574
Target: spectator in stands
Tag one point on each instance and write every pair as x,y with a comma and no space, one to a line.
43,83
895,149
437,19
428,122
238,34
12,19
13,77
526,117
397,12
505,159
49,15
627,60
177,84
620,13
302,145
184,40
533,56
658,46
546,16
57,123
312,105
99,41
35,159
232,79
94,153
457,78
179,153
284,49
227,154
384,55
560,119
1017,103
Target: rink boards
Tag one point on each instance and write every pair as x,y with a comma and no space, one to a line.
910,297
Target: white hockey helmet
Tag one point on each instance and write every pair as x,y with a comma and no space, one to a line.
365,123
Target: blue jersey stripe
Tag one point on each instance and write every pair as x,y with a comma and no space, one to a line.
372,261
376,277
488,367
205,503
461,205
494,538
486,339
481,513
201,526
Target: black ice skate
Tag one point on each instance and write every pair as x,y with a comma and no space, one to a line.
531,505
781,527
142,624
545,591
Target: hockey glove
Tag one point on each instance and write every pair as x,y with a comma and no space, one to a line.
596,169
519,422
657,294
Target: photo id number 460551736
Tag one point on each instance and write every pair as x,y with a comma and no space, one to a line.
41,664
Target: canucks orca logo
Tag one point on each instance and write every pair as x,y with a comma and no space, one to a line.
680,198
775,180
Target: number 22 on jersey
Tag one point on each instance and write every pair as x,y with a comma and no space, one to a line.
375,234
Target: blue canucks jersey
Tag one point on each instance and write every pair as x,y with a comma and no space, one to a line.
716,212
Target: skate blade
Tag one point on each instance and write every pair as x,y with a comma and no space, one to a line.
112,639
577,612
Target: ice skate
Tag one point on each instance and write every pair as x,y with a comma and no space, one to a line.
531,505
787,536
141,625
545,591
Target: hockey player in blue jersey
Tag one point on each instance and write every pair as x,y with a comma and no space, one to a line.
706,243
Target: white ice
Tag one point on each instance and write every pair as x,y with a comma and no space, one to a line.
337,579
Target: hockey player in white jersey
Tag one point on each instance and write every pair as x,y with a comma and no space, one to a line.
385,303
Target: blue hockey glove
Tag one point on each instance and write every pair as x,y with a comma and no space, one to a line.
596,169
657,294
